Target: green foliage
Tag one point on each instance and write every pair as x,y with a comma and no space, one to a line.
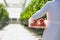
3,13
34,6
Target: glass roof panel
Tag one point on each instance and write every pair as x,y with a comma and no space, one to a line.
15,2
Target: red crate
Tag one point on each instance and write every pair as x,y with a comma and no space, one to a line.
38,23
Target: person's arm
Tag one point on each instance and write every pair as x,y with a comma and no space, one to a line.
40,12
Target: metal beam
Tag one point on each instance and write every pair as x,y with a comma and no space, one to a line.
5,3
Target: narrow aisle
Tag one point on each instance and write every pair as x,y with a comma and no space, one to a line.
17,32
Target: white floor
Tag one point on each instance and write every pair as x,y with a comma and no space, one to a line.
16,32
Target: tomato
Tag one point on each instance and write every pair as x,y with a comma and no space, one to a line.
33,23
41,22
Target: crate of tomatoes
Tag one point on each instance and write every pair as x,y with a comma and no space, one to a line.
40,23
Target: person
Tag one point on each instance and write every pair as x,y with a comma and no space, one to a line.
52,8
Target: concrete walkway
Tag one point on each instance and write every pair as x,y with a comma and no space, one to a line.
16,32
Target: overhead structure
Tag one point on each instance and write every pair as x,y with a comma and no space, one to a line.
14,3
14,7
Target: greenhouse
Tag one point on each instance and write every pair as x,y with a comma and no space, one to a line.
21,19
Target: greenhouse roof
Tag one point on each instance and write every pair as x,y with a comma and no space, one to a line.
14,7
15,3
